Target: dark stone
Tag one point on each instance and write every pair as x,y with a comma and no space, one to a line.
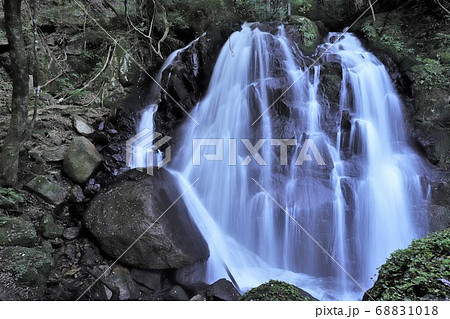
222,290
330,81
118,215
89,257
121,279
150,279
435,143
92,188
76,194
192,277
71,233
439,208
70,252
198,297
176,294
50,229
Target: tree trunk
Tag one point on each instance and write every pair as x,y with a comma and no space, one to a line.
20,99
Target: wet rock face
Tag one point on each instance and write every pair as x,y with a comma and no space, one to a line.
222,290
439,209
183,84
118,215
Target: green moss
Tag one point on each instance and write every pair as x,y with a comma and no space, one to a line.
22,262
50,229
309,33
420,272
276,291
16,231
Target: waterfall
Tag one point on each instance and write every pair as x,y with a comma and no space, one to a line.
365,202
388,194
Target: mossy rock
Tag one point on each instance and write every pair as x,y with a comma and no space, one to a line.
29,266
16,231
306,33
50,229
420,272
81,160
53,192
275,290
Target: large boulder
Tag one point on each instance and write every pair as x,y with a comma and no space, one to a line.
81,160
137,208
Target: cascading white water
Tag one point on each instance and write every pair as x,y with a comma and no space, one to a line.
363,204
388,194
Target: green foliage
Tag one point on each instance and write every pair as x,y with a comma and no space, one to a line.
201,13
430,73
275,290
420,272
25,264
10,198
301,6
16,231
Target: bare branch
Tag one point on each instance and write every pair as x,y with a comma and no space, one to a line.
444,8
